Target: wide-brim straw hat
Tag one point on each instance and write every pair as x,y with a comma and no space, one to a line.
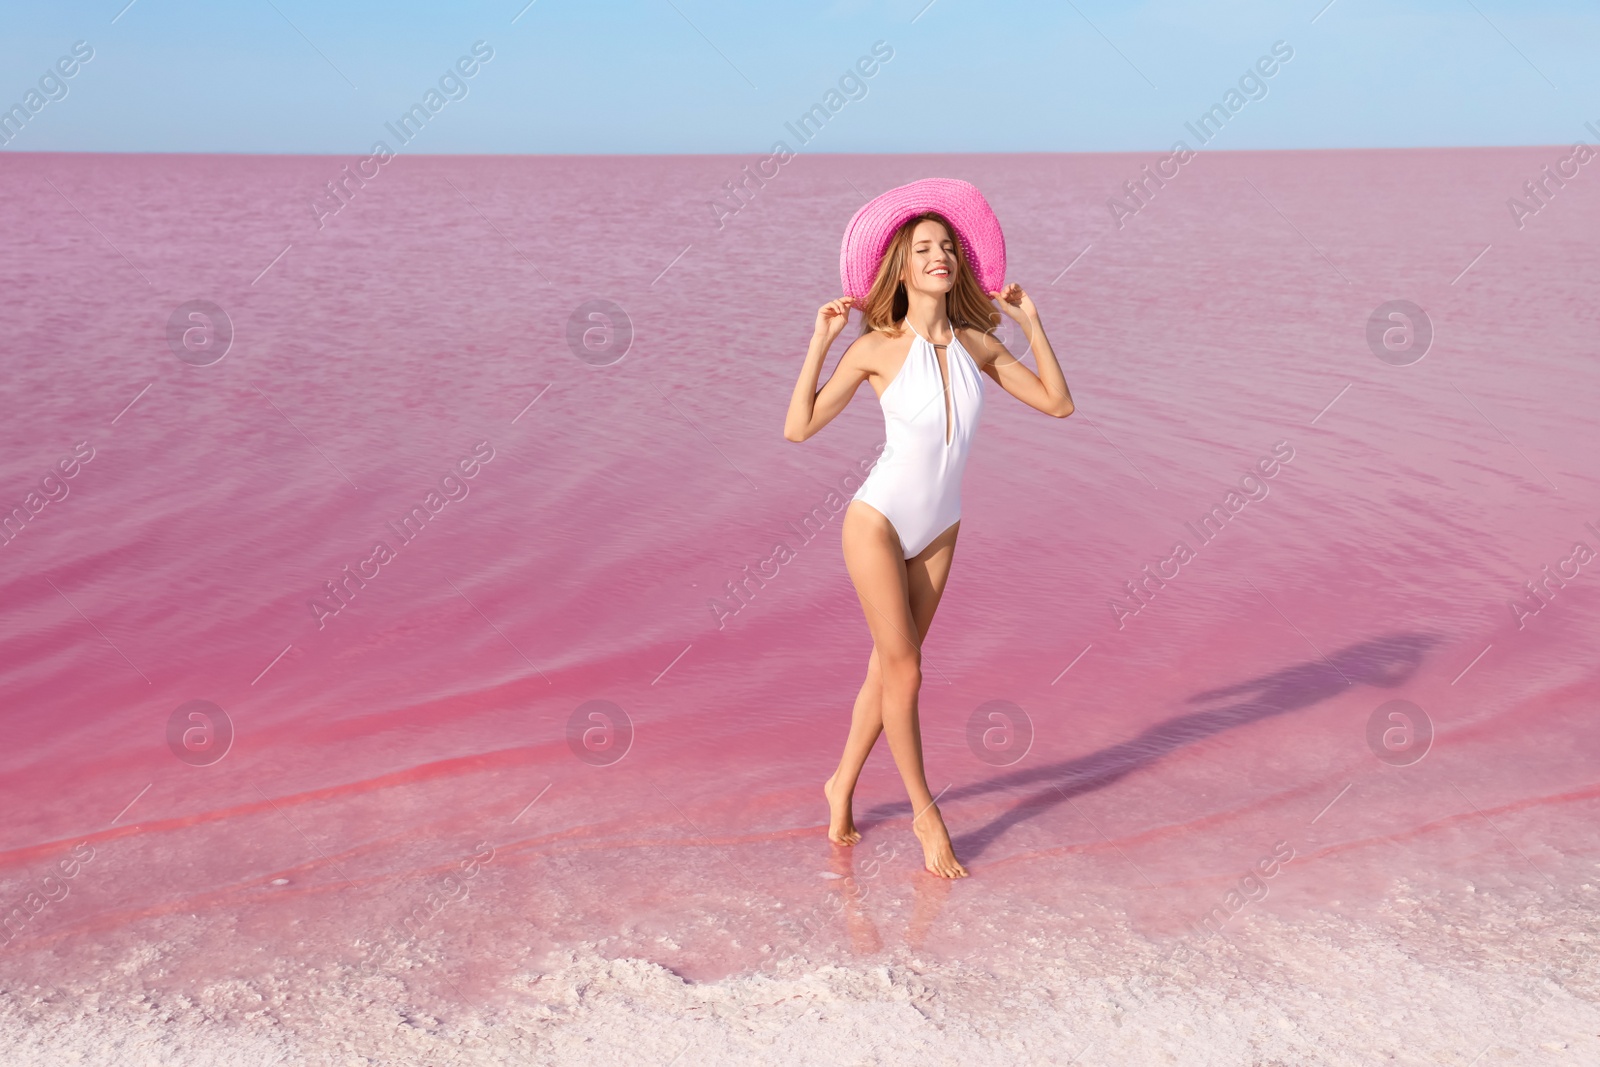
866,239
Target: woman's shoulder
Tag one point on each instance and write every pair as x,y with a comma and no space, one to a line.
874,351
872,342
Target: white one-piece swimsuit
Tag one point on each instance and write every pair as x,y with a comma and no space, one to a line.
916,483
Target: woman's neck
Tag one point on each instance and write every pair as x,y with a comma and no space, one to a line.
925,313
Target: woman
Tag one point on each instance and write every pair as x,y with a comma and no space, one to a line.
917,263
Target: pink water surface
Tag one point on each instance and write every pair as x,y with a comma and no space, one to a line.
379,749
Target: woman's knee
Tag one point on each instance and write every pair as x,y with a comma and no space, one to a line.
901,670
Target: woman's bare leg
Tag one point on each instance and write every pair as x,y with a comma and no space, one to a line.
866,723
925,580
887,584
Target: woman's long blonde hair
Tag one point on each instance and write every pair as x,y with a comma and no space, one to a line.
885,306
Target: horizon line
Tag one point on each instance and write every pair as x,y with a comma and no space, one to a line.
726,155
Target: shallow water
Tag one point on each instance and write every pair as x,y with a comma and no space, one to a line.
434,712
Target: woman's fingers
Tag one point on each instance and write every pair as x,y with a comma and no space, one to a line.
1010,299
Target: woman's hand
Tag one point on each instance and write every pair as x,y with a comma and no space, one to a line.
832,317
1016,303
810,409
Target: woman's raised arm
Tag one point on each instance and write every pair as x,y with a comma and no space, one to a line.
1046,391
811,409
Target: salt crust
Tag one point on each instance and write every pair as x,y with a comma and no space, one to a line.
1420,985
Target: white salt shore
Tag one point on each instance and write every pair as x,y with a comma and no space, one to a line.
1469,980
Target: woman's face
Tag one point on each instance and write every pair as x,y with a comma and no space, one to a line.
933,263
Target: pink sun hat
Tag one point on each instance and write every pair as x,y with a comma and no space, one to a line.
867,237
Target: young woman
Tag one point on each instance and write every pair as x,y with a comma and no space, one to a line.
917,263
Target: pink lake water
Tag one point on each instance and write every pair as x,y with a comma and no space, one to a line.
403,817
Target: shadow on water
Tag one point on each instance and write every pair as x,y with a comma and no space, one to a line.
1384,662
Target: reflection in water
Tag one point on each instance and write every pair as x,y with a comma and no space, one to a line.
852,890
858,872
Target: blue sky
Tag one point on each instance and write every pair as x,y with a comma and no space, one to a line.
704,76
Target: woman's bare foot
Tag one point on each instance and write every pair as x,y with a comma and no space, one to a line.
937,855
841,824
